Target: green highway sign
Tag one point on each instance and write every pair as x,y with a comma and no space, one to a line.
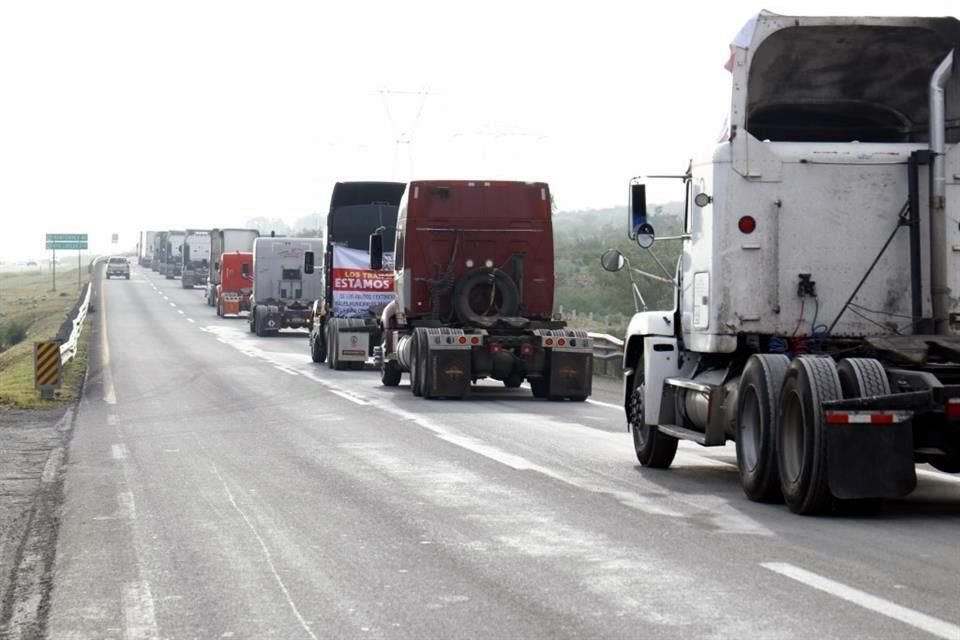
66,237
66,241
67,245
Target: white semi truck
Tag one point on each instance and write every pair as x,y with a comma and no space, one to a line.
817,294
282,293
196,258
225,241
146,247
172,264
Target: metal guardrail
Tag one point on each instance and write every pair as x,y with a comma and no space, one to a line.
69,348
607,355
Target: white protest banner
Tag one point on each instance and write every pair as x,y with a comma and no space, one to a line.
356,287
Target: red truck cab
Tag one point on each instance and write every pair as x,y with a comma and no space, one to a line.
233,292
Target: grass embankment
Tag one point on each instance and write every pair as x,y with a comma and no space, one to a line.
28,306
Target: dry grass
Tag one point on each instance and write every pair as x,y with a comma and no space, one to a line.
26,299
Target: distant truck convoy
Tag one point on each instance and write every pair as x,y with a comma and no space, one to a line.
473,294
195,258
282,292
225,241
172,266
346,325
813,321
145,248
236,283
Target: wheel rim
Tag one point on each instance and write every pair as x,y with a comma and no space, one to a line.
641,431
751,429
792,434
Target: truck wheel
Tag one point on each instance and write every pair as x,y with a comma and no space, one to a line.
653,448
539,387
801,437
415,386
318,347
757,412
513,381
862,377
390,373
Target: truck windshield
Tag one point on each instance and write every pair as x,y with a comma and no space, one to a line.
842,83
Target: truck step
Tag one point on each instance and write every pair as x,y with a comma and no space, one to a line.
683,433
687,383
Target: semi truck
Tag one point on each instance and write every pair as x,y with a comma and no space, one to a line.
235,283
145,248
281,290
159,249
196,258
172,265
225,241
815,318
473,294
346,323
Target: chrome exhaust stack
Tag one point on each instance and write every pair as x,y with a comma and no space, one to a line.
939,292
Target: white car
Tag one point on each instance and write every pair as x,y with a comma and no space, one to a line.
118,266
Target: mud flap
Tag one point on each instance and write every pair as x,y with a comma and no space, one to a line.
447,370
870,460
571,374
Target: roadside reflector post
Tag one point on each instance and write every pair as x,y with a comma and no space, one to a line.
46,367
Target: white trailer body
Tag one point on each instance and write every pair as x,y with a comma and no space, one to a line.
815,229
147,240
282,293
225,241
196,258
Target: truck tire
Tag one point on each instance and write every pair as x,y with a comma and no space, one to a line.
390,373
539,387
513,381
862,377
471,296
416,387
801,436
758,408
653,448
252,319
318,346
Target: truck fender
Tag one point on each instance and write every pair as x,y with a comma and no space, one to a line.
661,360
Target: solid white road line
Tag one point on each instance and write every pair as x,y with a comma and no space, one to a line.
109,393
931,625
605,404
266,554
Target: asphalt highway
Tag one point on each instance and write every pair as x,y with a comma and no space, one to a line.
221,485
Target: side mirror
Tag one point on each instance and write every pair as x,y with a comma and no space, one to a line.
637,210
376,251
245,271
645,235
216,266
308,262
612,260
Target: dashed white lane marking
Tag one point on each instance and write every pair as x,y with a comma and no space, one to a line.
119,452
931,625
348,396
609,405
180,311
266,555
126,507
139,619
173,304
191,320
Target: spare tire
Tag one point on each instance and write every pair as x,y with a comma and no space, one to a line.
484,294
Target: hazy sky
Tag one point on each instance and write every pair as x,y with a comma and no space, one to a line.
121,116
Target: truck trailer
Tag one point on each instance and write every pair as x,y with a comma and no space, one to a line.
346,320
172,265
236,283
225,241
473,294
145,248
282,292
814,322
196,258
159,250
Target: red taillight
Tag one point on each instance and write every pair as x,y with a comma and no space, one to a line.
953,408
548,342
496,347
526,349
474,340
561,342
462,340
747,224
